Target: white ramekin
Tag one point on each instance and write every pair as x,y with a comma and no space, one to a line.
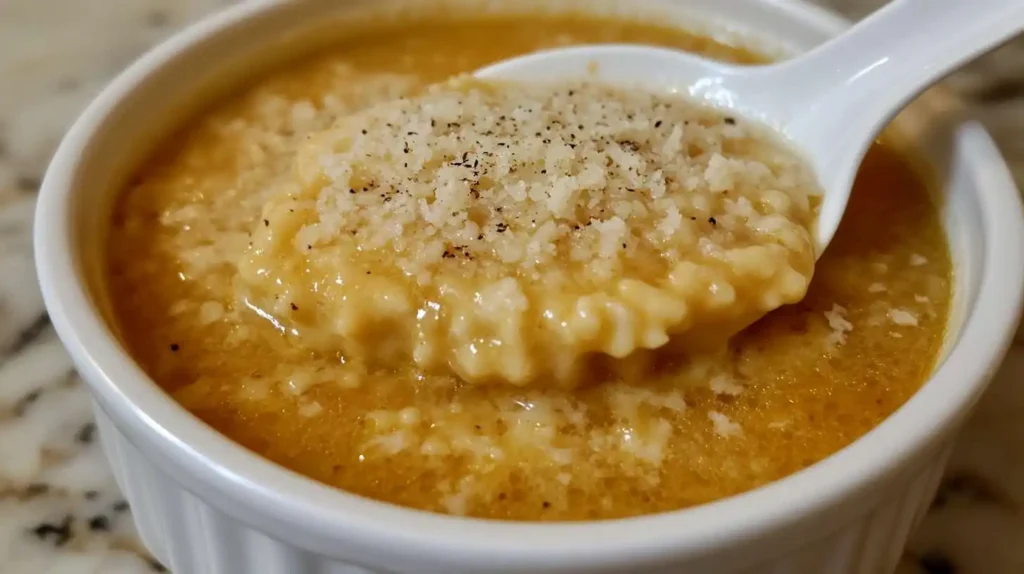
205,505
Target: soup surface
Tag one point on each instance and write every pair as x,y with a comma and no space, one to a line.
798,385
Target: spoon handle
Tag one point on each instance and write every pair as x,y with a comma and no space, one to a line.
884,61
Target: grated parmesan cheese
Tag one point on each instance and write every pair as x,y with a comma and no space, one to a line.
902,317
839,325
505,231
724,426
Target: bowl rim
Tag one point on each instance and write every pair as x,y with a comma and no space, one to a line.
314,515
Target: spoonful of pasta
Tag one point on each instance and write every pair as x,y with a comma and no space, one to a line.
830,103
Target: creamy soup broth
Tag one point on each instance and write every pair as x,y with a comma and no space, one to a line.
795,387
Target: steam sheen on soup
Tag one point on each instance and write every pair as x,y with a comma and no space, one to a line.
518,302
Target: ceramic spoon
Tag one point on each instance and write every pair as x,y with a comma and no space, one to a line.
830,102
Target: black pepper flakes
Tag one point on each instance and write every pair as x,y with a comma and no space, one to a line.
657,124
175,347
26,401
120,506
712,221
37,488
60,532
730,121
266,223
294,307
87,433
546,504
99,523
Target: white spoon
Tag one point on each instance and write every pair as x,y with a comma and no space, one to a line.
830,102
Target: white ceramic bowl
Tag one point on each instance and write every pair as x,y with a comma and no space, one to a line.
205,505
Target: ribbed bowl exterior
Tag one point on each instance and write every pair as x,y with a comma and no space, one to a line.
191,536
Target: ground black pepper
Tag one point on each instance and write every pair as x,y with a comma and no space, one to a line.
99,523
87,433
60,532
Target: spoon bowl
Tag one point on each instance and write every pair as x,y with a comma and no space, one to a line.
830,103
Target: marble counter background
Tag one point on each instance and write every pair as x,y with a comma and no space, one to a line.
60,511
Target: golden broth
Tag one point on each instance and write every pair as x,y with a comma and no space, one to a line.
800,384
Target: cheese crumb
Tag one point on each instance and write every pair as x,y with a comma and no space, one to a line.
839,324
902,317
724,426
917,260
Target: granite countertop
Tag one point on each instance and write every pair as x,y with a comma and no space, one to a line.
60,510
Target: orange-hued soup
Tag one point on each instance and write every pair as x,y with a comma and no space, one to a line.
683,429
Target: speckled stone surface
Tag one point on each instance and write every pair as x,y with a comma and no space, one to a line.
59,508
